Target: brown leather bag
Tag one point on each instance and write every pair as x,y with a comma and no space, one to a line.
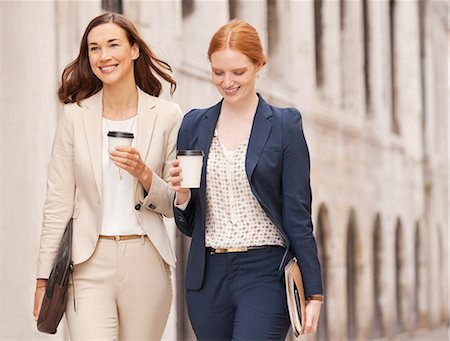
55,298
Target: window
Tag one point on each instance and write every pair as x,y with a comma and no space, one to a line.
187,7
395,127
112,6
232,6
366,33
319,41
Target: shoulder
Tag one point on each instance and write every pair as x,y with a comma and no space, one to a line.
71,112
285,114
287,117
193,115
292,118
166,107
73,108
196,115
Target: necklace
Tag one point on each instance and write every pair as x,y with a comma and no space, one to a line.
129,130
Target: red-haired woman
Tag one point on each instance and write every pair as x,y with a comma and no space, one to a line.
252,212
116,195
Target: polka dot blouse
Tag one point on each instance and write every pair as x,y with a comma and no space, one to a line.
234,218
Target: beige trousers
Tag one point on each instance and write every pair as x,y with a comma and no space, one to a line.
123,292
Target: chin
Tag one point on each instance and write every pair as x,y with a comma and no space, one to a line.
108,81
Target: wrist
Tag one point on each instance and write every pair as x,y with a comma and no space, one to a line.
41,283
146,179
181,197
316,297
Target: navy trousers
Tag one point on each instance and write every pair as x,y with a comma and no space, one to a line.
242,297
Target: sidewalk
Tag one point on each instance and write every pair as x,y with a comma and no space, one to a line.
426,335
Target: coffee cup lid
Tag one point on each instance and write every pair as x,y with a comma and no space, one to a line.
123,134
190,152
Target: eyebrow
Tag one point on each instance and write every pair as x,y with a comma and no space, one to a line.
109,41
238,69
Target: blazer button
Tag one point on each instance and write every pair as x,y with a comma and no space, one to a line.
137,207
151,206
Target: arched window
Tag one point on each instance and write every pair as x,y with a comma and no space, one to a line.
378,330
399,275
351,276
322,231
419,277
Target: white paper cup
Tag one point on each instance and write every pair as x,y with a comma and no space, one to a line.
191,162
119,138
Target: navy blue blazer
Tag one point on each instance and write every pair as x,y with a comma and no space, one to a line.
277,167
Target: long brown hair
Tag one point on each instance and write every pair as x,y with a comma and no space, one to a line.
240,36
79,82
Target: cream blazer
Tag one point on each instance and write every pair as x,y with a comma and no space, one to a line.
74,187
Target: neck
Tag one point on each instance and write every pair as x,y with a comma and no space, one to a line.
246,105
120,100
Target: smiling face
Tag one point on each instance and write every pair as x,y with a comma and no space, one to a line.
234,74
111,56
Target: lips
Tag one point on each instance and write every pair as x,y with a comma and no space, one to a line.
231,91
108,68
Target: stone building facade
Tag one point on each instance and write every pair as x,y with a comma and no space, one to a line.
370,78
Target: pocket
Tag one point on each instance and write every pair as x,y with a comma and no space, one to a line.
272,149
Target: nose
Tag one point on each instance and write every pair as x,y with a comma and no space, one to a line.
228,80
104,55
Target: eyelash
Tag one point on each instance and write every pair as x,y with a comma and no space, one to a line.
236,73
96,48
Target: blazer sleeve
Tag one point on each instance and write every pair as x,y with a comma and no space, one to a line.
60,198
160,195
296,199
184,219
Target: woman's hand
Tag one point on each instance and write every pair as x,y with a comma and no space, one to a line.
38,297
182,194
129,159
312,312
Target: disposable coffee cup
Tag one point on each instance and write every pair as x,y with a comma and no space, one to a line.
191,162
119,138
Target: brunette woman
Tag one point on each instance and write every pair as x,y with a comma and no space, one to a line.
116,195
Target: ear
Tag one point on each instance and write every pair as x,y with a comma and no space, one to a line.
135,53
260,66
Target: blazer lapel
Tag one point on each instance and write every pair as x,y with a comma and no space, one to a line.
206,126
146,115
260,132
92,119
146,119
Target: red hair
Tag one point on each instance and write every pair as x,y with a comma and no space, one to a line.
240,36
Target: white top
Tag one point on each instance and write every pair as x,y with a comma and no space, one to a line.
118,214
234,217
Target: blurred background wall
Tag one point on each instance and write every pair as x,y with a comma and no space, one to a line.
371,80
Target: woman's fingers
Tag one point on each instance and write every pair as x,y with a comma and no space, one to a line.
174,171
38,298
175,180
175,177
312,313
